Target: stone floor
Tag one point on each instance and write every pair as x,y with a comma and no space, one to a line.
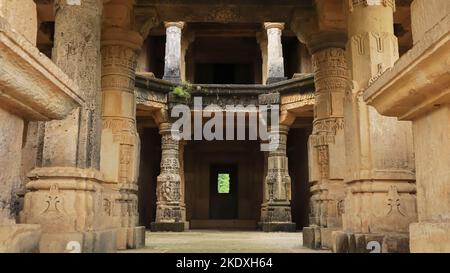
208,241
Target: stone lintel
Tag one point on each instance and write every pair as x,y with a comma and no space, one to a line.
32,86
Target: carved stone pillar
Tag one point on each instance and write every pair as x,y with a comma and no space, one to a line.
380,198
275,60
120,140
172,61
65,193
417,89
326,146
276,207
169,210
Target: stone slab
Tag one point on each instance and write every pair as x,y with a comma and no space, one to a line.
430,237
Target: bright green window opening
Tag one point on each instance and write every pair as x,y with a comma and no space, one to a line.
223,183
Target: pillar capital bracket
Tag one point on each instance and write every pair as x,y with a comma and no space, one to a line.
119,36
326,39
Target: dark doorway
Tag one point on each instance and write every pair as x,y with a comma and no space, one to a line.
224,74
223,198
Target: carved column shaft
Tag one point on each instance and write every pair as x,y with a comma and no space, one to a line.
275,60
326,144
276,207
169,211
120,141
172,60
379,158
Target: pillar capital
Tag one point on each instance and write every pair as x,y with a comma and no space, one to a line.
326,39
122,37
270,25
179,25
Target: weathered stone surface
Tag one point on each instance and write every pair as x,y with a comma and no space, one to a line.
19,238
308,237
22,15
275,60
31,85
425,100
428,237
172,64
276,207
380,196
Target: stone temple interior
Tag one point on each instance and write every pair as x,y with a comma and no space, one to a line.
88,90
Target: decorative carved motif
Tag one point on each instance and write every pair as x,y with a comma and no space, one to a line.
54,202
393,202
323,160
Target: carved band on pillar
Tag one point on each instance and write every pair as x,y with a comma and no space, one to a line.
172,60
276,207
275,60
169,205
120,140
326,143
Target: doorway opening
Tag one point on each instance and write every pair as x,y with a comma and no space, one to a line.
223,196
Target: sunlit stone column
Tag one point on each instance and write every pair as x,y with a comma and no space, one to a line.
169,211
275,61
380,198
326,143
120,141
417,89
172,60
64,194
276,207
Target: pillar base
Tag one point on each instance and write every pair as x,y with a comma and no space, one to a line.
278,227
20,238
344,242
315,237
103,241
275,80
429,237
175,227
172,79
130,238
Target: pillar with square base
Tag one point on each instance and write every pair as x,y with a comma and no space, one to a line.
276,208
169,206
380,200
400,93
65,194
326,143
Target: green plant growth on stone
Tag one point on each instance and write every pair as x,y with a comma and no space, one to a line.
183,90
223,183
